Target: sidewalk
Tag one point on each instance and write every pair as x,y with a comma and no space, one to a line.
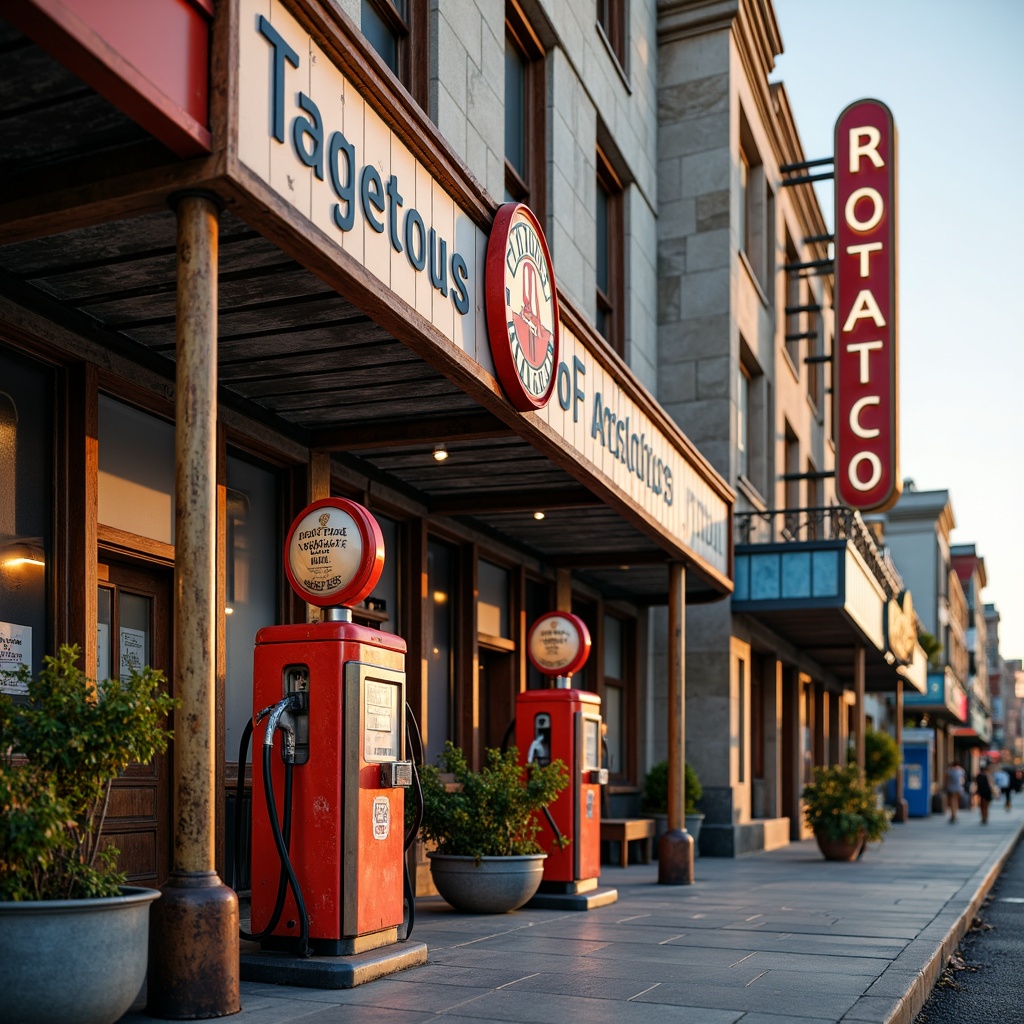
766,939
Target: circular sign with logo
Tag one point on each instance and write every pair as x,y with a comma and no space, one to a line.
522,308
334,553
558,644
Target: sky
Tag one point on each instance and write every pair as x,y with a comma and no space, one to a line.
952,73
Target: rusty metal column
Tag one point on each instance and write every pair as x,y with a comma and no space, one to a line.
860,693
194,950
675,850
902,812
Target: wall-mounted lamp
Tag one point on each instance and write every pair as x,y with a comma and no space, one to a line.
19,553
440,452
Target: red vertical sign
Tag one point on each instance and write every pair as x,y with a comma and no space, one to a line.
866,394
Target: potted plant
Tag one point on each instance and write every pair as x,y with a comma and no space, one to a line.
841,810
61,894
656,800
484,826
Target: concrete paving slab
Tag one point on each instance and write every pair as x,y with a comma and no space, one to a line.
769,938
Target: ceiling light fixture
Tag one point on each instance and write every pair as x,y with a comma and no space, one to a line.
440,452
538,515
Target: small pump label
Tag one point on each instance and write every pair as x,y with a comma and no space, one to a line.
381,817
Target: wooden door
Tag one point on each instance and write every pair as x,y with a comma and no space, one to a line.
134,626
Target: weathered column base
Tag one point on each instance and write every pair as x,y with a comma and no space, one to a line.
901,813
194,949
675,858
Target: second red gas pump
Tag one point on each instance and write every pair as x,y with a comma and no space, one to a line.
328,818
565,723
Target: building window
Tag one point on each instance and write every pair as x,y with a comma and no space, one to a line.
26,472
251,582
439,628
755,212
617,697
524,114
743,205
793,320
751,422
611,18
397,30
792,483
815,367
608,254
742,421
492,607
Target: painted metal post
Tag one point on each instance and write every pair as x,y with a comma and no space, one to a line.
194,943
675,850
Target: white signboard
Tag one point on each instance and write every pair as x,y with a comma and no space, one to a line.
133,652
607,429
306,131
15,651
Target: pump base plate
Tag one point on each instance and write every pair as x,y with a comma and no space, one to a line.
329,971
571,901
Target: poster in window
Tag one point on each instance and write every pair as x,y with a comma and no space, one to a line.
15,651
133,652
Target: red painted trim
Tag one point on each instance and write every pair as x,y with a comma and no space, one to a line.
371,563
867,422
498,311
154,67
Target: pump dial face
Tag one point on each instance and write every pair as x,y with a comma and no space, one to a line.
334,553
558,644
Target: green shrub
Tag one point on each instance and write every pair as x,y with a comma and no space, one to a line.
490,813
59,753
656,788
840,805
881,757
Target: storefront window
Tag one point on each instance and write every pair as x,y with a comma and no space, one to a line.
614,702
441,612
251,565
26,457
538,603
492,605
385,595
136,471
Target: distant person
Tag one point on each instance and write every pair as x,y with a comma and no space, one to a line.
983,787
955,779
1017,778
1002,780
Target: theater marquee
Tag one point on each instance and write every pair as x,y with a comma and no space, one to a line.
866,403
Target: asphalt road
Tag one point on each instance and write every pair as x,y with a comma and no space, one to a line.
984,984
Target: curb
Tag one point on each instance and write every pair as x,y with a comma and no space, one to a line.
905,985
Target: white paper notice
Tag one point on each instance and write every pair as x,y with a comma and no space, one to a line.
133,652
15,650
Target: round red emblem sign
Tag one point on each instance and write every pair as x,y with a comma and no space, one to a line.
334,553
522,308
558,644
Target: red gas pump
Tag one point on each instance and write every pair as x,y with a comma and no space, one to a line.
564,723
328,800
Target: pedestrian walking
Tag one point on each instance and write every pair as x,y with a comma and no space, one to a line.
983,787
1002,780
955,779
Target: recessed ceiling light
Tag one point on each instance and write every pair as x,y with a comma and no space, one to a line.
440,452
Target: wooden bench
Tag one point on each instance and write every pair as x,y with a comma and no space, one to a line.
627,830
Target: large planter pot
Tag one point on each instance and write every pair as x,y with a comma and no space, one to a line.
73,961
839,849
491,885
693,824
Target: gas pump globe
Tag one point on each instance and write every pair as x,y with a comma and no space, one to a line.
565,723
328,809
